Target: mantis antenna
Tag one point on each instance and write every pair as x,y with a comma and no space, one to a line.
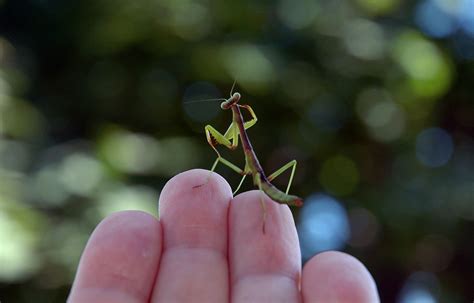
204,100
213,99
232,89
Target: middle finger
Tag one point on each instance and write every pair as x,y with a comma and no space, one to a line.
265,267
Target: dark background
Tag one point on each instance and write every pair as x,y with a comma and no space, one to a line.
373,99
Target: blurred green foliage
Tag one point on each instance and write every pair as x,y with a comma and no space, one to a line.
374,104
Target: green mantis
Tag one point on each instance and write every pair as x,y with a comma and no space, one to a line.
230,139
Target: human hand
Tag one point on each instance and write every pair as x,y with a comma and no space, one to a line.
206,249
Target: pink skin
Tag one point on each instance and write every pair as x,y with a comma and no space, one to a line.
206,249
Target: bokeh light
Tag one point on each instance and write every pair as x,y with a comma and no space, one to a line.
124,150
378,7
466,16
364,227
420,287
364,39
117,197
418,295
19,119
339,175
385,119
433,20
46,187
81,174
434,147
20,229
441,18
298,15
427,69
434,253
250,65
323,225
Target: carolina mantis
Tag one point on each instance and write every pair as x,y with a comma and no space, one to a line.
230,139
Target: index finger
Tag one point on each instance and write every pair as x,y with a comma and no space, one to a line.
193,215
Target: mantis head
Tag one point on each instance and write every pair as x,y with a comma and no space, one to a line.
231,101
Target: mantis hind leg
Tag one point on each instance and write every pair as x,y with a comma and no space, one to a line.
291,164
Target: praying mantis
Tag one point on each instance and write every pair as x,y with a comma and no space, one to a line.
230,139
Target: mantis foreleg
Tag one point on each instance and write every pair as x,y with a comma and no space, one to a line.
214,137
230,138
252,121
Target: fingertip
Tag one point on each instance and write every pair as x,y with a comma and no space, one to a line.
139,227
337,277
135,225
194,182
193,210
134,219
120,258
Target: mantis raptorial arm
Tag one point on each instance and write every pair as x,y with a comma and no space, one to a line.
291,164
254,119
230,138
214,137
